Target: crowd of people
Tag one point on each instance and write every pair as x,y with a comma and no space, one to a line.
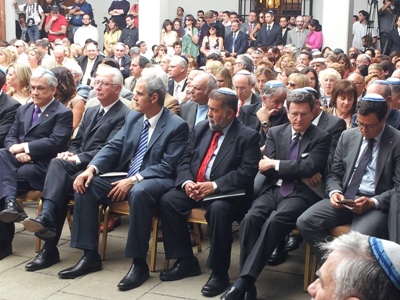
250,120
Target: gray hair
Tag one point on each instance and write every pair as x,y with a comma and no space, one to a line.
143,61
246,61
180,61
107,70
49,76
251,79
395,90
359,273
156,83
74,69
134,51
211,83
269,91
300,97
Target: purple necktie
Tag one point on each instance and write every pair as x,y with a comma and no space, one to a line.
35,115
287,186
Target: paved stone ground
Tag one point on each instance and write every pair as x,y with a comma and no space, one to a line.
282,282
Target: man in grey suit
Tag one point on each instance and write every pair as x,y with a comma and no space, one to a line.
146,150
364,175
99,124
297,36
195,111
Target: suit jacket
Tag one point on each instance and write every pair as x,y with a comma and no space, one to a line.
125,64
83,60
273,39
47,137
245,27
255,99
92,136
235,165
188,112
292,39
393,41
204,31
171,86
164,149
335,126
387,174
393,119
8,109
284,35
313,155
240,42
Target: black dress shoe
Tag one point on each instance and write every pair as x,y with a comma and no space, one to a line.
279,255
46,258
87,264
12,212
182,268
135,277
233,294
293,242
42,227
5,250
216,284
251,293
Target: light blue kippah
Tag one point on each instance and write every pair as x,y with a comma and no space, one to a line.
383,82
310,89
274,84
226,91
387,254
300,91
392,80
373,97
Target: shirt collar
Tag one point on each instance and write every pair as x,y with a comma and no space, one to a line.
108,107
153,120
43,108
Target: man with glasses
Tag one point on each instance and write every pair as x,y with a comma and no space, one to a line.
364,175
56,25
85,31
358,82
283,22
78,12
99,124
22,56
293,151
270,34
90,62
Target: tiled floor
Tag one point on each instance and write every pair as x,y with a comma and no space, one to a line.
282,282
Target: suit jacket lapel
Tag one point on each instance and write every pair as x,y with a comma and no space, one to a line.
385,146
284,143
47,112
226,145
354,149
158,130
28,117
323,120
306,139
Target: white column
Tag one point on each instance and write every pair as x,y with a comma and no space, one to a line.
10,17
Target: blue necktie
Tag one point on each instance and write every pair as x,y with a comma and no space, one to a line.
138,159
35,115
287,186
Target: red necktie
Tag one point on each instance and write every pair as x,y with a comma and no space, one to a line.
250,28
239,106
206,160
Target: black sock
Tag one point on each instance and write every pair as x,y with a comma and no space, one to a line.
139,261
48,209
91,253
243,282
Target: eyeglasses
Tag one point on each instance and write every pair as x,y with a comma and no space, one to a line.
366,126
355,82
212,28
292,84
188,19
260,17
100,83
162,50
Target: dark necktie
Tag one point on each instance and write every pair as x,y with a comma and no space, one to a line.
287,186
138,159
206,160
35,115
100,115
354,185
268,30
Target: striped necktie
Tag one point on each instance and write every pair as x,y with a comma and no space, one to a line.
138,159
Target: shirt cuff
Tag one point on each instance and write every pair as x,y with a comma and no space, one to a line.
376,203
139,177
334,191
95,168
277,162
26,148
77,160
183,184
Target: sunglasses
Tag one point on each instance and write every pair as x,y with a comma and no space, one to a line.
292,84
261,17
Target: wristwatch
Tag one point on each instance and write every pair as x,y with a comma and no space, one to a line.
265,124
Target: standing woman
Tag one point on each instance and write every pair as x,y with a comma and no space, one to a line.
314,38
177,26
260,23
18,83
111,36
168,36
191,38
211,41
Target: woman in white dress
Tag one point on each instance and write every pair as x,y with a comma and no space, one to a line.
168,36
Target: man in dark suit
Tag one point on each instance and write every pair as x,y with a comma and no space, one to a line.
270,33
236,41
123,59
210,18
99,124
177,72
195,111
268,113
89,62
283,22
366,171
8,109
244,81
41,129
147,150
293,152
393,39
202,171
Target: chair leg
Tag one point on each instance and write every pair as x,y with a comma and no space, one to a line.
105,233
310,267
69,217
39,241
153,253
196,229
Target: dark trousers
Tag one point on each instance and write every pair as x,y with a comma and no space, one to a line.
315,223
268,221
394,219
175,206
143,199
58,188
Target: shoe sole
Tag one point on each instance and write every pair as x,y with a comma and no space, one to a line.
215,293
9,217
127,288
32,226
43,267
90,270
189,274
45,234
